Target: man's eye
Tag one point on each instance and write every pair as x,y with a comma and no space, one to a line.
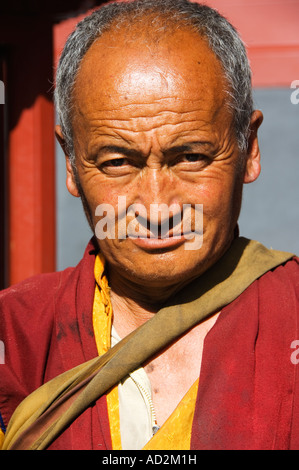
116,162
116,166
192,162
193,157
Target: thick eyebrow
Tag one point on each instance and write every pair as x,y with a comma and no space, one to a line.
177,149
188,147
119,149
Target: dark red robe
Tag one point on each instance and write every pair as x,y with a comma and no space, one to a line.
248,395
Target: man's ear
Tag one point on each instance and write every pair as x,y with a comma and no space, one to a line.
253,164
70,177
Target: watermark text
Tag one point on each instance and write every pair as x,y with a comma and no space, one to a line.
160,222
295,354
2,353
295,93
2,92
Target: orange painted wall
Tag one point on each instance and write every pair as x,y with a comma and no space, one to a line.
269,28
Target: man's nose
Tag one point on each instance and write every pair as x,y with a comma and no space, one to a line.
156,186
159,195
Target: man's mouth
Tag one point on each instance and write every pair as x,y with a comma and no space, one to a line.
158,243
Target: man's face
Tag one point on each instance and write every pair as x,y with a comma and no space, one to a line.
151,125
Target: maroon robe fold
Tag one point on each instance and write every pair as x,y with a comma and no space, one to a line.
248,395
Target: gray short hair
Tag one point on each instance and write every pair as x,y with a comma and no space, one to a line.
222,38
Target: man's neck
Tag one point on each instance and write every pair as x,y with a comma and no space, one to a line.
134,304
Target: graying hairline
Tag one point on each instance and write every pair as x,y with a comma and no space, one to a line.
182,20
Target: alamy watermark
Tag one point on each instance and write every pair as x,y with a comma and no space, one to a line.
162,222
295,354
2,93
295,94
2,353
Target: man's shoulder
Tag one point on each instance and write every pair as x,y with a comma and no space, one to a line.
286,272
31,303
42,288
35,289
280,286
275,290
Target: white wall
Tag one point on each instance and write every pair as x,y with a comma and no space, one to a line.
270,211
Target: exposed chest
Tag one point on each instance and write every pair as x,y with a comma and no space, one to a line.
174,371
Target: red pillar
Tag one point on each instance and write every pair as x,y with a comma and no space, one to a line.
31,150
31,195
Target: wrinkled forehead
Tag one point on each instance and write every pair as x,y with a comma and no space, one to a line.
118,72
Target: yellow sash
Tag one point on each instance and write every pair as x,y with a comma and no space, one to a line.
175,434
1,437
102,321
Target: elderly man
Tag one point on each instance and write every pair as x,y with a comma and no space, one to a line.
172,332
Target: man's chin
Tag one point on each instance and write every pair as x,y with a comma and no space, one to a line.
161,273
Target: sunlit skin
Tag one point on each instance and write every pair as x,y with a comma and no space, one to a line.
151,123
